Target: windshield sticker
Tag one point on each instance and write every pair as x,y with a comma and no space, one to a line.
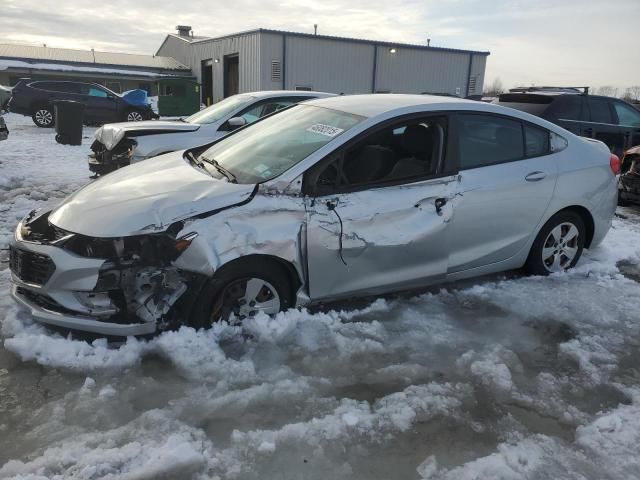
261,168
326,130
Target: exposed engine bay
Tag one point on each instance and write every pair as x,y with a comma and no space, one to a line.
136,281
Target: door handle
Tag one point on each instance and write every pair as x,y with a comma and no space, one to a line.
439,203
535,176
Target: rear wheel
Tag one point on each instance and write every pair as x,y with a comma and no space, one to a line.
43,117
559,244
241,290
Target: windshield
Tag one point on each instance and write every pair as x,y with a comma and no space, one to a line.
219,110
273,145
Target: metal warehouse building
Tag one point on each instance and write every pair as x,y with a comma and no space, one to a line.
272,60
117,71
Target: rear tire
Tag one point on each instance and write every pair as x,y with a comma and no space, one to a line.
240,290
558,246
43,117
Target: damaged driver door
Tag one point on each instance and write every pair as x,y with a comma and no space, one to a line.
372,234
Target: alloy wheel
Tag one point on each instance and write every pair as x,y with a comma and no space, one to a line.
560,247
44,117
134,117
244,298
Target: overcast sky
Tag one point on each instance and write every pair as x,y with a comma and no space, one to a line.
542,42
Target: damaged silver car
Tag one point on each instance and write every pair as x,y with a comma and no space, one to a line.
335,198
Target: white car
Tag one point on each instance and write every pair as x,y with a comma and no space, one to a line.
119,144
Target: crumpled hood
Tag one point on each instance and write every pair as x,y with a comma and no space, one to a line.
111,133
145,197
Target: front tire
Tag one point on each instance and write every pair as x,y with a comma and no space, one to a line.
558,246
242,289
43,117
134,116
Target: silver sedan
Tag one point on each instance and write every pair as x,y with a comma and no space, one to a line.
336,198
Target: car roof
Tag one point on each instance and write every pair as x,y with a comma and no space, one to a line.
288,93
372,105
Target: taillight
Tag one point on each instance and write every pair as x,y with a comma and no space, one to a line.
614,162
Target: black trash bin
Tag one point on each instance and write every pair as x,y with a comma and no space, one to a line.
69,115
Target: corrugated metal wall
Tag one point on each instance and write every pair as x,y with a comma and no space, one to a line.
247,46
333,65
418,70
477,70
178,49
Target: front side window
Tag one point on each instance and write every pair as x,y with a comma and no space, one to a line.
264,109
219,110
488,140
406,151
97,92
600,111
274,145
627,115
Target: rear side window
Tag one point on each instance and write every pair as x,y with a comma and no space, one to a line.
600,111
488,140
536,141
525,102
567,107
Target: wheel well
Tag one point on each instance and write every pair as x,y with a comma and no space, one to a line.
39,104
278,262
586,218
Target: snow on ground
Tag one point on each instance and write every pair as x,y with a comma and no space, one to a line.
502,377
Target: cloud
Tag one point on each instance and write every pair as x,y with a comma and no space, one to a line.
542,42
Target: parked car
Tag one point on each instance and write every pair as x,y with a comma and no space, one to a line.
5,96
629,186
121,144
610,120
333,198
36,99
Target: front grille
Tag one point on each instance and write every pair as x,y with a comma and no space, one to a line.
30,267
43,301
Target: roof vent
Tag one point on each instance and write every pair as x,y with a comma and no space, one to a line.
184,30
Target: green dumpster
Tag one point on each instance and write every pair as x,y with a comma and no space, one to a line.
178,97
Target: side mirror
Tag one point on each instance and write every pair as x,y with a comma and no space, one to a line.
236,122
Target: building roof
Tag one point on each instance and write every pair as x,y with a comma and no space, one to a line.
39,54
328,37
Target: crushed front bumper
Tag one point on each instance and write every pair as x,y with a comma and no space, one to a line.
55,285
103,161
629,187
80,323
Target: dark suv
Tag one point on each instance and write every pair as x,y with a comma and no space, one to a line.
36,98
613,121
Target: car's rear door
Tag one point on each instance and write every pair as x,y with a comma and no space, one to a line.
602,124
101,105
370,234
569,111
507,175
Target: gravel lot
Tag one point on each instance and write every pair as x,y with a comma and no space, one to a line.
500,377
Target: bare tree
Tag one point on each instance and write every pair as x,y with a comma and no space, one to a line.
632,93
494,88
607,91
